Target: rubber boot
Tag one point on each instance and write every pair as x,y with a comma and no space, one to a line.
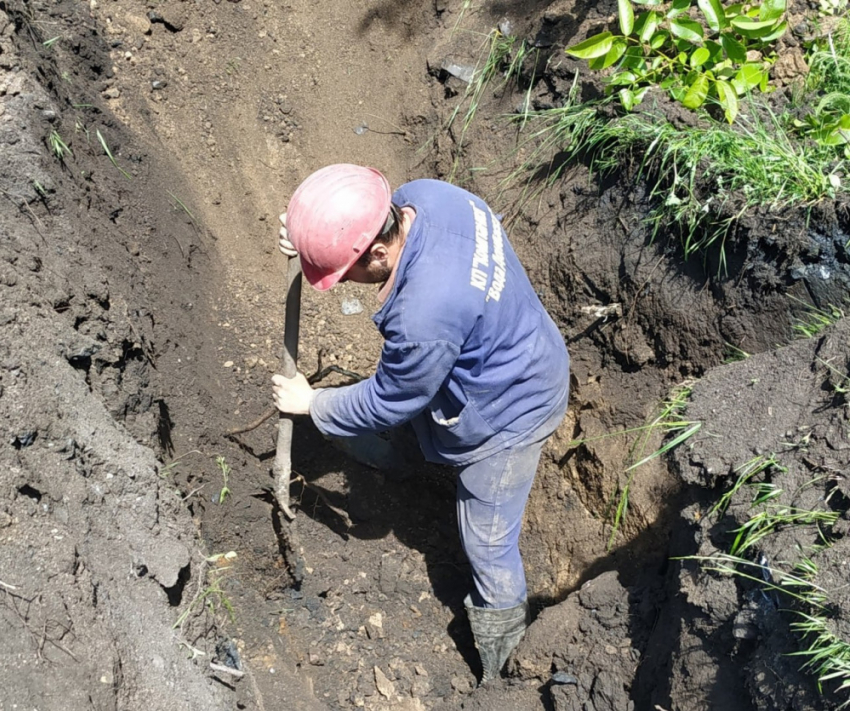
496,633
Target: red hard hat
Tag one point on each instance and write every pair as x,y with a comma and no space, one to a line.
333,217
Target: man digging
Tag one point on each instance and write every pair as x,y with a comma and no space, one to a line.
470,358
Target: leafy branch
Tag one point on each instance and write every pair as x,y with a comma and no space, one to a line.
694,54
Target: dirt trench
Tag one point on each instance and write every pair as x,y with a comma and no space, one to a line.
143,320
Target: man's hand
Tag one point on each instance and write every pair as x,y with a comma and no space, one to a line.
283,243
292,395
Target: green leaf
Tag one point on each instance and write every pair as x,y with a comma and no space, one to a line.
622,79
686,29
728,99
658,39
596,63
748,77
714,15
596,46
678,7
774,35
630,98
647,2
734,9
634,59
734,49
748,25
646,24
696,94
618,49
627,16
700,56
627,99
714,48
771,9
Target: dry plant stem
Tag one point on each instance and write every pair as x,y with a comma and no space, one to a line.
221,669
282,468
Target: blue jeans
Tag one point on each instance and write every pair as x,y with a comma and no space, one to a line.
491,498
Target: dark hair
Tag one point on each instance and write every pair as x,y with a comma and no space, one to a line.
388,236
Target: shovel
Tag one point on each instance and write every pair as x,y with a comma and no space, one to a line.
282,467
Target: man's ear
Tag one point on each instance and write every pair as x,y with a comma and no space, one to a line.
379,251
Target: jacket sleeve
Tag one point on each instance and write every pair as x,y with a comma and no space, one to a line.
408,376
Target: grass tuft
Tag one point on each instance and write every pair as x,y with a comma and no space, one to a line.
58,146
675,428
505,54
816,320
109,154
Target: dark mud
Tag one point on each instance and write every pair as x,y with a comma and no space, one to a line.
95,545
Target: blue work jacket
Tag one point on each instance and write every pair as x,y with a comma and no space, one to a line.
470,355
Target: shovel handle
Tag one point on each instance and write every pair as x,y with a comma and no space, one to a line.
282,468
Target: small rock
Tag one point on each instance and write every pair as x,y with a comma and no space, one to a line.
138,23
351,307
375,626
561,677
24,439
461,684
158,84
385,686
464,72
228,364
112,93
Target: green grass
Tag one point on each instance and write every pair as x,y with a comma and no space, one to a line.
675,429
816,320
108,152
746,473
827,656
212,596
58,146
829,63
182,205
505,55
774,517
695,174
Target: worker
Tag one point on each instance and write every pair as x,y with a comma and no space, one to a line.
470,358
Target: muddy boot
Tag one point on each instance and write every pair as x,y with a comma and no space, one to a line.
496,633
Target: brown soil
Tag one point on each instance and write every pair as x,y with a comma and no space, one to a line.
142,320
